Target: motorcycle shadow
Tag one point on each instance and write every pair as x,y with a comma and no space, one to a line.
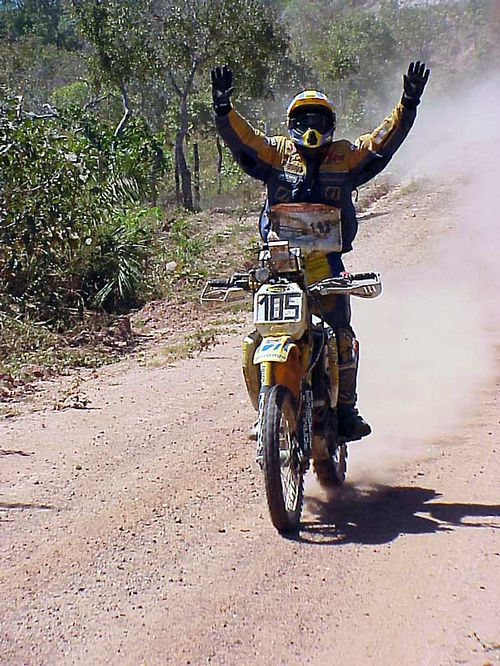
378,514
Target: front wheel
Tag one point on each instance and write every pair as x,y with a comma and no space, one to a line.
282,461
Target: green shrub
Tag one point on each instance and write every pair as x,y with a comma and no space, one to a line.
116,266
74,232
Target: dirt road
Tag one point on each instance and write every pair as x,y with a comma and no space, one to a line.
135,531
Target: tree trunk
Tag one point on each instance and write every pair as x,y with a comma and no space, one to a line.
155,168
196,155
177,184
126,111
219,164
180,158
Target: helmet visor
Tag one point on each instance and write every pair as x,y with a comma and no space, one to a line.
321,122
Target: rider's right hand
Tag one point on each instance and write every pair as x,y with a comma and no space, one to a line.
222,89
414,82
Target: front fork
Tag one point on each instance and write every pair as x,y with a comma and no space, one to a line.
289,374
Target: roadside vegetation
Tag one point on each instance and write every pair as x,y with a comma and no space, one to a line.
114,188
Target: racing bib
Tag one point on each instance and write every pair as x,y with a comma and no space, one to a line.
313,227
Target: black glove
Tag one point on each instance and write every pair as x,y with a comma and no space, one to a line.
222,89
413,84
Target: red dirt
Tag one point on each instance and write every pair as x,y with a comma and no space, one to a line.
135,531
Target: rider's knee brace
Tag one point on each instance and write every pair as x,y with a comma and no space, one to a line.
348,348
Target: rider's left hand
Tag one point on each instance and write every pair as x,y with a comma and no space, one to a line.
414,82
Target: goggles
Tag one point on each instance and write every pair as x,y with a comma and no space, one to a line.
320,122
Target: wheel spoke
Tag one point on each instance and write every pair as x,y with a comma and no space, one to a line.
290,478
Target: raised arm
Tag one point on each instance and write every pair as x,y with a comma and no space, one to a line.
254,151
371,153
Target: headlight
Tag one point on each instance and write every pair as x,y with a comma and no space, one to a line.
262,274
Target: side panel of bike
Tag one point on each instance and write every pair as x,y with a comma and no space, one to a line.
251,372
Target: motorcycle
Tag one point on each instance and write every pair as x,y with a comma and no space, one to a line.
290,362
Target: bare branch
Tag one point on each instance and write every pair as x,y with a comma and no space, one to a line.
40,116
19,107
94,102
189,79
174,83
126,114
21,113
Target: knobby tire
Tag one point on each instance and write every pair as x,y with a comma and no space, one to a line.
332,471
284,478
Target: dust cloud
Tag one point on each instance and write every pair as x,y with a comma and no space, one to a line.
428,344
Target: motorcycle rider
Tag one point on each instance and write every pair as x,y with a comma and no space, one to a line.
309,166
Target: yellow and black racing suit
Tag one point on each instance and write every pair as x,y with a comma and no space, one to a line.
276,162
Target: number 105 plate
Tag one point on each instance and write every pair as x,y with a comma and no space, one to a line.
275,304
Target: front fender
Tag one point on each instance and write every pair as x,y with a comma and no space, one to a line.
280,359
274,350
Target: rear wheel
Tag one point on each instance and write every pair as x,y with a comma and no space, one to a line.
332,471
282,465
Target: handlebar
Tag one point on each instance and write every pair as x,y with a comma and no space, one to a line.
223,284
365,285
238,280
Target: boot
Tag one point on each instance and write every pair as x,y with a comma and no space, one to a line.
352,425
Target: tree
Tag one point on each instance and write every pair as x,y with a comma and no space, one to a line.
117,30
353,57
49,20
191,36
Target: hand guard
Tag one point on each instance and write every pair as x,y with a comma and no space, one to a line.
413,84
222,89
